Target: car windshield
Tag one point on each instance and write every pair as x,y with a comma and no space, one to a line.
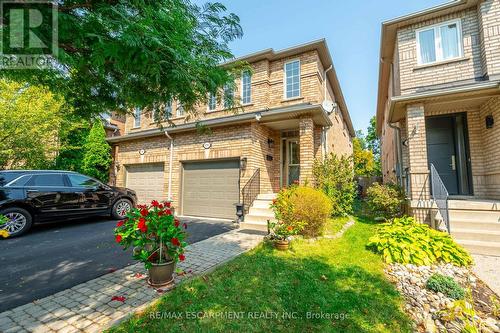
7,177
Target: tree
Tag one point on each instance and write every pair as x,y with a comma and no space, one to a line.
116,54
373,143
97,153
364,163
30,118
72,137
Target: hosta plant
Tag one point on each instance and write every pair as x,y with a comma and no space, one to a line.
405,241
156,235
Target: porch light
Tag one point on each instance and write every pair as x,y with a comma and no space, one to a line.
243,163
270,143
490,121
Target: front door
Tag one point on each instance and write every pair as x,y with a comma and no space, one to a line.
447,150
291,161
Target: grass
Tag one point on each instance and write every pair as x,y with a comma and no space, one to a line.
334,225
336,277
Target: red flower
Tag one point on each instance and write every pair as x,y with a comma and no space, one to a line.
160,206
168,212
120,223
118,298
182,257
167,204
155,203
160,213
142,225
144,212
175,242
118,238
141,206
176,223
185,226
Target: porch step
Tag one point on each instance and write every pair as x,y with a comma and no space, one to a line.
254,226
475,204
476,235
474,215
481,247
259,213
475,225
267,196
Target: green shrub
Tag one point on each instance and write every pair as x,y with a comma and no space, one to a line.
334,176
407,242
97,154
303,208
385,200
445,285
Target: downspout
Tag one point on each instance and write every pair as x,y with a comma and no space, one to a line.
399,151
171,157
325,133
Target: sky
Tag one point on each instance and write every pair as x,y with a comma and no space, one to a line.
351,29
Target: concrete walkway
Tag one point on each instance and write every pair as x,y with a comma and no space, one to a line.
487,268
95,305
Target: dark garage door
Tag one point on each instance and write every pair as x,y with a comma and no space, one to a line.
210,189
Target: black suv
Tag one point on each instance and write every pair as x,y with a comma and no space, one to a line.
28,197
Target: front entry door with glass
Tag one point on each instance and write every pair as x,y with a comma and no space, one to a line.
290,161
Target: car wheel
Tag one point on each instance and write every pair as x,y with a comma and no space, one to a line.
121,208
19,221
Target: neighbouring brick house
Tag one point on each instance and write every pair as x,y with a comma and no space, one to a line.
270,143
438,116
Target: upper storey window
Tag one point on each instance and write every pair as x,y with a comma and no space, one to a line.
292,79
212,102
439,42
137,117
246,87
228,96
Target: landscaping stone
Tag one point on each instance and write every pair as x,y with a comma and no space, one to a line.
88,307
426,306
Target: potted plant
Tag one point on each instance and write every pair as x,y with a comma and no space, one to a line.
280,234
158,239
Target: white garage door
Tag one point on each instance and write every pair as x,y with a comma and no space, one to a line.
147,180
210,189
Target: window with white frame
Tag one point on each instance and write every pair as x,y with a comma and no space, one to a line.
212,102
228,95
168,110
246,87
180,110
292,79
439,42
137,117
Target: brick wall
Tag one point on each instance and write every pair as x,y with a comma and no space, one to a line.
489,22
490,148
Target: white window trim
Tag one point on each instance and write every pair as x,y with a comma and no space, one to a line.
437,42
242,88
135,118
284,79
208,104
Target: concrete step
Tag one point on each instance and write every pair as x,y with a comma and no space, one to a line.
475,215
480,247
261,203
267,196
475,204
258,218
475,225
254,226
476,235
261,211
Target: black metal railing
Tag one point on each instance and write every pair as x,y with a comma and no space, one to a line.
250,191
440,196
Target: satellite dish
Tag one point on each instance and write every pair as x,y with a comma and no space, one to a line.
329,106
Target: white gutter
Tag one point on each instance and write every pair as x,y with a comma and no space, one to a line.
171,153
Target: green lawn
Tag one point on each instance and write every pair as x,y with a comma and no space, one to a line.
335,225
337,277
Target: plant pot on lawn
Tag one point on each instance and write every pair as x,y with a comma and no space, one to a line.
158,239
281,245
280,234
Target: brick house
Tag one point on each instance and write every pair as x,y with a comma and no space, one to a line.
270,143
438,116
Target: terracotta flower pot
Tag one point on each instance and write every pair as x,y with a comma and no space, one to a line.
162,274
281,245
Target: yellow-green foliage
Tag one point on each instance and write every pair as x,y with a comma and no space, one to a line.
385,200
405,241
301,206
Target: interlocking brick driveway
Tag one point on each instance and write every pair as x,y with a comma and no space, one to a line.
88,307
